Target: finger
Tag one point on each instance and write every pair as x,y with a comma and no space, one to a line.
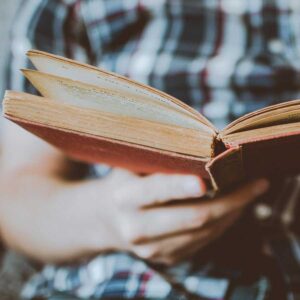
161,251
159,188
120,175
161,223
201,241
217,229
235,200
250,191
176,248
187,251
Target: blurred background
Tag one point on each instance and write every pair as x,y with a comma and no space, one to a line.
7,10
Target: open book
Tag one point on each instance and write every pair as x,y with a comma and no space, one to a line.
98,116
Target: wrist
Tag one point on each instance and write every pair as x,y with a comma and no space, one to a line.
90,203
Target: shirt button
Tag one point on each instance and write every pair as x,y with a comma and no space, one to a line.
263,211
276,46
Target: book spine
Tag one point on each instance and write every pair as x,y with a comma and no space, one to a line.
226,169
218,146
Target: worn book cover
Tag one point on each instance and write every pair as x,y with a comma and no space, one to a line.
97,116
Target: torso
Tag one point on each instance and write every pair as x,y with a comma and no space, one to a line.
224,58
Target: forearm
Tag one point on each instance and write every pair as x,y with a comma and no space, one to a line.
51,220
25,202
42,214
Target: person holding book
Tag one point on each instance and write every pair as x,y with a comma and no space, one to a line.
225,59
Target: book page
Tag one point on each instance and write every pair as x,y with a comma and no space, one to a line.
122,104
271,132
284,115
49,113
84,73
259,115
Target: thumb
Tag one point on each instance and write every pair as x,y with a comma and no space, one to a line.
248,193
160,188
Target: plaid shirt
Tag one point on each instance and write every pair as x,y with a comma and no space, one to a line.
224,58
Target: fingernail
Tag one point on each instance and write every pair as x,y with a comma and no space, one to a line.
261,186
194,186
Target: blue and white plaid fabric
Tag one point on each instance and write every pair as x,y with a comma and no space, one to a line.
223,57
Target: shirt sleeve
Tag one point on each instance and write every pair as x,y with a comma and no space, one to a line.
53,26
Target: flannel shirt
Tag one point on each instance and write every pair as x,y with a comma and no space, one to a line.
223,57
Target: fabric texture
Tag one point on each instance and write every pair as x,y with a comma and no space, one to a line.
224,58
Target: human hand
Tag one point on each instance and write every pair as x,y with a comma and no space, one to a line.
168,234
53,221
